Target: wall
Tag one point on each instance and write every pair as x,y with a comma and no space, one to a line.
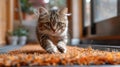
77,21
5,19
2,21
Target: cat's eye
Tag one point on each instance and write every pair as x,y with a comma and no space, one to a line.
63,23
47,23
60,23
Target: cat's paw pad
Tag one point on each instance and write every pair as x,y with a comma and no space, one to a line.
52,50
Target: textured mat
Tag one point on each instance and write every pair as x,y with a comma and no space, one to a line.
34,55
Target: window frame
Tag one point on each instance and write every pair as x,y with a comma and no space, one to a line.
93,32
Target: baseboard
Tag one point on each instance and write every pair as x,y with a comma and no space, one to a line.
75,41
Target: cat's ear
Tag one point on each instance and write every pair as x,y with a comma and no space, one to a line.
63,11
40,11
43,10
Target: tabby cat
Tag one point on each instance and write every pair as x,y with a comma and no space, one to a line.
52,29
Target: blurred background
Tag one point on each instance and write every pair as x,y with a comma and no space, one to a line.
91,22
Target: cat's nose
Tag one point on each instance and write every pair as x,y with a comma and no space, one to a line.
54,27
54,30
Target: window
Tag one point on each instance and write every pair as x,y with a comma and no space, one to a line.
104,9
103,18
87,12
29,5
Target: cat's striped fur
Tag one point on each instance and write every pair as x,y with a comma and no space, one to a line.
52,29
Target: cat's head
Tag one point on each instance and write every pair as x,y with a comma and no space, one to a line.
53,22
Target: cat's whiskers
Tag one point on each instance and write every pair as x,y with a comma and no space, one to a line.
69,14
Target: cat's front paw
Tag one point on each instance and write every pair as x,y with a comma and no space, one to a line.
52,50
62,47
62,50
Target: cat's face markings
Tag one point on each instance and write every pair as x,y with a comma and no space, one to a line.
53,22
60,26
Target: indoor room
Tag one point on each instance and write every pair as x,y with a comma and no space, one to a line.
62,33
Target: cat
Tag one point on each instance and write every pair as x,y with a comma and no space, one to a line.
52,29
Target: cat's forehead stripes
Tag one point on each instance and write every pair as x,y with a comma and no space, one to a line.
57,17
53,17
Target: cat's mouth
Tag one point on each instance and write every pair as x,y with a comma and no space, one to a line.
54,33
